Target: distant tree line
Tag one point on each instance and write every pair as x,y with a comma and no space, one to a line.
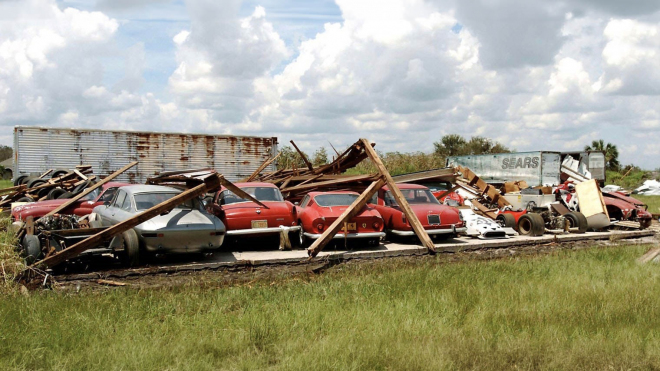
5,152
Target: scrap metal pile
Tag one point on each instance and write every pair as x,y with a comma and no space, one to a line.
53,184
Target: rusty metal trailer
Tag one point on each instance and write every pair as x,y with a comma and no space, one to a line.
37,149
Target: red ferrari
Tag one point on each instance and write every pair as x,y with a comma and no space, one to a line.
318,210
439,221
81,207
246,218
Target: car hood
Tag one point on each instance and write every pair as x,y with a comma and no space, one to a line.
619,196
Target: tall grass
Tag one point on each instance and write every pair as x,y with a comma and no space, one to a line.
592,309
401,163
11,264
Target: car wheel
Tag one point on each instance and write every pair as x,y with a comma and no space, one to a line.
81,187
131,248
25,199
577,220
531,225
31,248
507,220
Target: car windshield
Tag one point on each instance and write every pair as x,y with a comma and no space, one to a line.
260,193
413,196
91,196
335,199
144,201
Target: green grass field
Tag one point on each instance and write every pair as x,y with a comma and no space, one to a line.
586,309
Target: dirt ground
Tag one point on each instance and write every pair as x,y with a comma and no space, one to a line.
246,274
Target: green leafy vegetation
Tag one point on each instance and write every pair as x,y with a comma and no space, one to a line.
587,309
629,177
11,264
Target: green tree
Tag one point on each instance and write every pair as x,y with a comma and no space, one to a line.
450,145
610,150
456,145
320,157
5,152
290,158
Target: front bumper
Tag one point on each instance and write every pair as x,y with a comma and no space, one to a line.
314,236
261,231
431,232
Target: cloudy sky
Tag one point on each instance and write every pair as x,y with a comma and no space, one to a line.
532,74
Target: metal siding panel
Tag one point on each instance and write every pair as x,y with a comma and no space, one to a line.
39,149
535,168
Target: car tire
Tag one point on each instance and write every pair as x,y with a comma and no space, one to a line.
36,182
55,193
19,180
531,224
577,220
643,224
25,199
58,173
507,220
31,248
65,195
81,187
131,248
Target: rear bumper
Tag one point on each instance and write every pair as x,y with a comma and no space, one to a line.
261,231
314,236
431,232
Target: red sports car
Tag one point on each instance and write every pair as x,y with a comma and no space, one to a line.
439,221
247,218
318,210
622,207
81,207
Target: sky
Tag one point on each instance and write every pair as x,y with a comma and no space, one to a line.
534,75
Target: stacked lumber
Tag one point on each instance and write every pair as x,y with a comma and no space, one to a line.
58,184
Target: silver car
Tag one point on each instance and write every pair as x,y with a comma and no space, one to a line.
188,228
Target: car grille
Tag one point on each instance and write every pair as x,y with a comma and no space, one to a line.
434,219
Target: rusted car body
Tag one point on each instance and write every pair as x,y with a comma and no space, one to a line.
318,210
246,218
622,207
439,221
81,207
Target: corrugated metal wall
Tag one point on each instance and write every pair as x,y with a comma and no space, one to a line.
37,149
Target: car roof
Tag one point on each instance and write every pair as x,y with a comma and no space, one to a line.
314,194
145,188
255,184
407,186
115,184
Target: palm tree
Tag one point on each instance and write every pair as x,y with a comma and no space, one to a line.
610,150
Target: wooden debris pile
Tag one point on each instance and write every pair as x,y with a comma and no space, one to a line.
53,184
297,182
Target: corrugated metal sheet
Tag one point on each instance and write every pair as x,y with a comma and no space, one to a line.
37,149
535,168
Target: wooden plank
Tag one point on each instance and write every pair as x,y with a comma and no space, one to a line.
46,173
90,189
399,198
262,167
350,212
75,249
83,176
239,192
484,210
353,178
443,194
302,155
13,189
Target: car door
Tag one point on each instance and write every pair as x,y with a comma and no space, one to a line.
109,214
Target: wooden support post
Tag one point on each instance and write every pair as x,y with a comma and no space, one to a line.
75,250
309,164
261,168
90,189
398,196
350,212
443,194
